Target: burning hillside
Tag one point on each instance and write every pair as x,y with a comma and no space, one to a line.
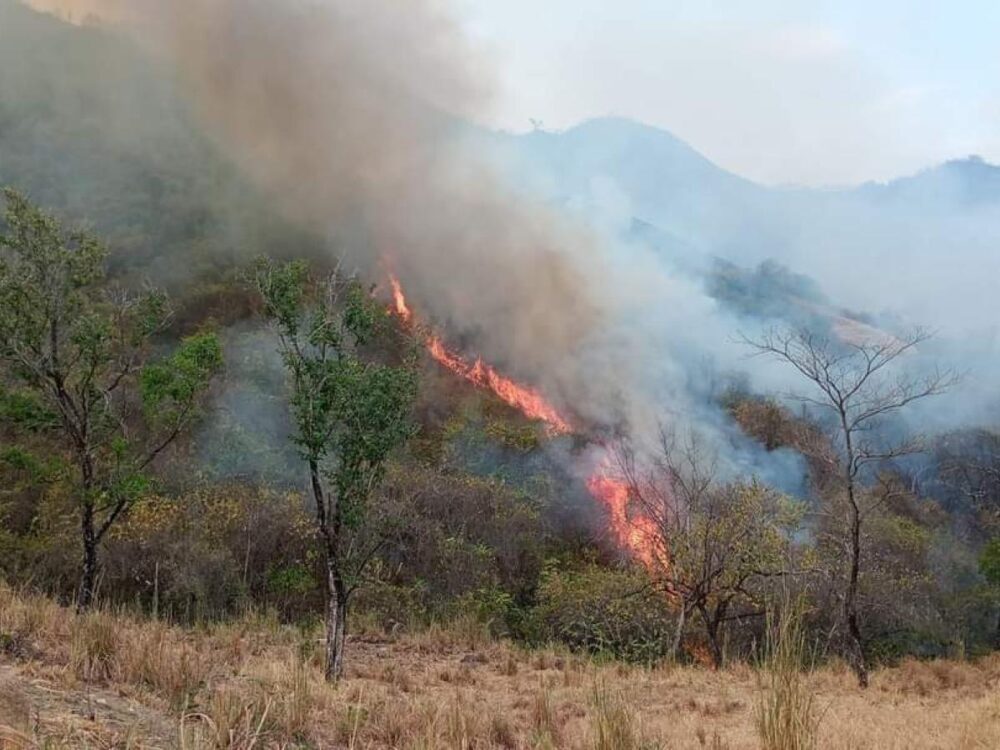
300,99
524,399
633,532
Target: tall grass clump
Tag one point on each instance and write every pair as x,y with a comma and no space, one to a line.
152,656
93,647
543,719
786,713
613,722
231,720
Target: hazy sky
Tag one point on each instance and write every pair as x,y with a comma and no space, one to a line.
781,91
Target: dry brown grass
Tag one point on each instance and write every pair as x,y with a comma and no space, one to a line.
787,715
114,681
613,724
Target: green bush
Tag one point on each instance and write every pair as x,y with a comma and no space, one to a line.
391,605
603,611
989,562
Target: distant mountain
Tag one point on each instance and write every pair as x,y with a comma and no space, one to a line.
918,231
969,182
652,166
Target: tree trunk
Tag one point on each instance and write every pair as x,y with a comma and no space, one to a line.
857,656
712,631
88,577
675,647
857,647
336,622
713,641
328,519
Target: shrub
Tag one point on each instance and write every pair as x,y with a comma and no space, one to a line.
605,611
93,648
211,551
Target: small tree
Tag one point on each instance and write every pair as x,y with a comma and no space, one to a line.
350,410
989,566
83,349
856,383
720,543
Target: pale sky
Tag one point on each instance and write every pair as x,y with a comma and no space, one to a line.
810,92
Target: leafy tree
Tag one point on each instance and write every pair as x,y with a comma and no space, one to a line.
858,386
351,411
717,544
83,350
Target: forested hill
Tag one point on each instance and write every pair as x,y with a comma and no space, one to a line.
90,128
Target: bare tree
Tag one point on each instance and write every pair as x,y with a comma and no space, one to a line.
859,385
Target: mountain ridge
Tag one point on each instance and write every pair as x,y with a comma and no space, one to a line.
625,132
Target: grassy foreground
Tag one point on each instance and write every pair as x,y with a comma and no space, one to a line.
113,681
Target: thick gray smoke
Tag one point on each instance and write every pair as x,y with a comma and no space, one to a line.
353,116
350,114
919,251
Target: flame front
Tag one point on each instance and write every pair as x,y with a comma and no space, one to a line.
526,400
399,300
635,533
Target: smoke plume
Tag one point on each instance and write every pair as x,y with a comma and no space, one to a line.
351,114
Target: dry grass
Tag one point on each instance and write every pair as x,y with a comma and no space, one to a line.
613,723
113,681
787,715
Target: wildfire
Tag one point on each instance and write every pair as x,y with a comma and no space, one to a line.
399,300
526,400
635,533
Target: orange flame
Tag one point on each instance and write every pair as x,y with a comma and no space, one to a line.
526,400
636,533
399,300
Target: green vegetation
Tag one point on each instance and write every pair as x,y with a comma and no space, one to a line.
80,354
438,504
350,412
